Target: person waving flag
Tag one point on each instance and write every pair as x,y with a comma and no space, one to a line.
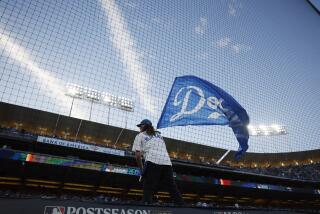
194,101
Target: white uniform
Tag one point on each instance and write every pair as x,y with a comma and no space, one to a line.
153,148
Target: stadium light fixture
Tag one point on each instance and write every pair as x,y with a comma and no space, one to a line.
72,91
267,130
107,99
93,95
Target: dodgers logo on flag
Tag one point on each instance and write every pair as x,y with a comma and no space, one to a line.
194,101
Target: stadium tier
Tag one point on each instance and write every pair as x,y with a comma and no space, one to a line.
37,163
50,128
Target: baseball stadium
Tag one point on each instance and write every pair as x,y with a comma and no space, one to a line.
230,89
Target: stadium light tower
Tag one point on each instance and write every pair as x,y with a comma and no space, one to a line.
267,130
94,96
261,130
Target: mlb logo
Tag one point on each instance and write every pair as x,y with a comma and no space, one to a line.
54,210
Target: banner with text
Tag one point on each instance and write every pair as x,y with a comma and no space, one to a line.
78,145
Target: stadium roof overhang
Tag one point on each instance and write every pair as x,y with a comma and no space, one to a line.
47,123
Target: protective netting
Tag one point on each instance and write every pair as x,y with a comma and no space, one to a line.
264,53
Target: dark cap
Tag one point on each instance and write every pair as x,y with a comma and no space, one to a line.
145,122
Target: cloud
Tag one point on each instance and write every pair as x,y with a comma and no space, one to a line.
223,42
158,20
203,56
233,7
53,87
129,55
164,22
235,47
240,48
201,26
130,3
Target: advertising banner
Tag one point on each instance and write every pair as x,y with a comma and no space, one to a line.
78,145
46,206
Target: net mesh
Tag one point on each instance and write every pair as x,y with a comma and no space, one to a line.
266,59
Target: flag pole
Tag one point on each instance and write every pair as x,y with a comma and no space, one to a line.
223,156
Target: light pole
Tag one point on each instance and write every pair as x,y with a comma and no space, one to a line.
108,115
55,127
71,106
90,109
72,92
78,130
94,96
107,100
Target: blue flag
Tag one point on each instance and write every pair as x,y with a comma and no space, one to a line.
194,101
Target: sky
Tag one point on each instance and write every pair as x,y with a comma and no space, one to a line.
264,53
